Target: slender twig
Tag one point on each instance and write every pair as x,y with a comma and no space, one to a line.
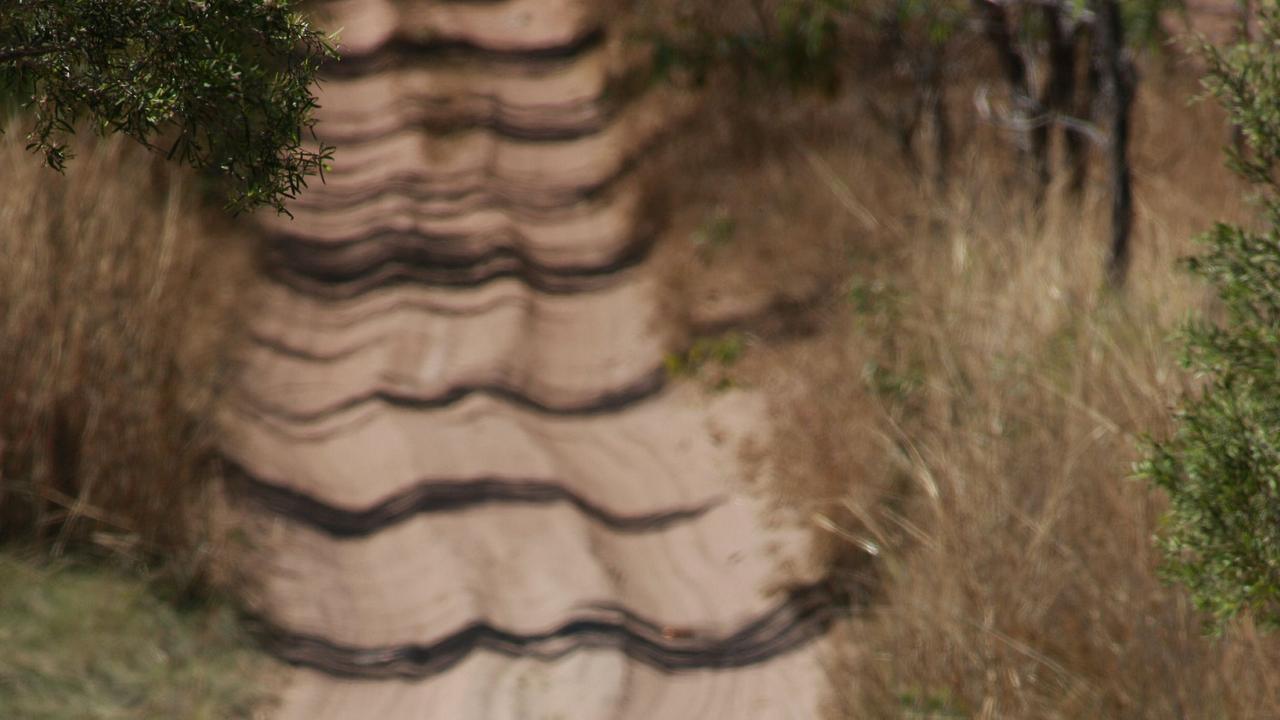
12,54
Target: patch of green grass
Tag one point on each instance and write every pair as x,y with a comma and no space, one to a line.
86,640
930,706
716,232
721,350
867,297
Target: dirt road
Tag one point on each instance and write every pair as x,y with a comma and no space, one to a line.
473,492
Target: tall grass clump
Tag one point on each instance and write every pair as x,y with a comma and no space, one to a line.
117,306
964,432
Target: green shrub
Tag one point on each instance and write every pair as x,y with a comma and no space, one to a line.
221,85
1221,466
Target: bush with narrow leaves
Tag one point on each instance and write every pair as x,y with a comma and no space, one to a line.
223,85
1221,466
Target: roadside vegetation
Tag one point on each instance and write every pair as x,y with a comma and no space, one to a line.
1221,466
118,312
964,386
120,305
117,317
980,465
87,639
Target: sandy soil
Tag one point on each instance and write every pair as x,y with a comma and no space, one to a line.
472,491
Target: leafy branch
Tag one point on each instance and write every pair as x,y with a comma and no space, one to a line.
221,85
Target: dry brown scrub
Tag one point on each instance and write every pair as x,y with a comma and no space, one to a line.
962,417
991,398
117,307
773,193
769,212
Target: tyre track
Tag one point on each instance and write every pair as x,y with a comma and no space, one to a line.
437,495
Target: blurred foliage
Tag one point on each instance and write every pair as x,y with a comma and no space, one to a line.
716,232
222,85
1142,21
939,20
801,44
790,42
709,358
1221,467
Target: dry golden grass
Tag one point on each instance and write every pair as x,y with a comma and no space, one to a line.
962,410
117,309
773,193
972,421
763,230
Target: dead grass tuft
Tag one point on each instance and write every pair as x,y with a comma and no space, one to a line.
118,305
991,394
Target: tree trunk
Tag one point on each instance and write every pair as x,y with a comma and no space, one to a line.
1059,97
1117,78
941,132
1028,114
931,99
1082,108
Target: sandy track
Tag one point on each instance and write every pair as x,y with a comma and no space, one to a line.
515,25
601,684
568,568
531,349
471,489
652,456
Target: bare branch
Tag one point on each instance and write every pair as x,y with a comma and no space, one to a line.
12,54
